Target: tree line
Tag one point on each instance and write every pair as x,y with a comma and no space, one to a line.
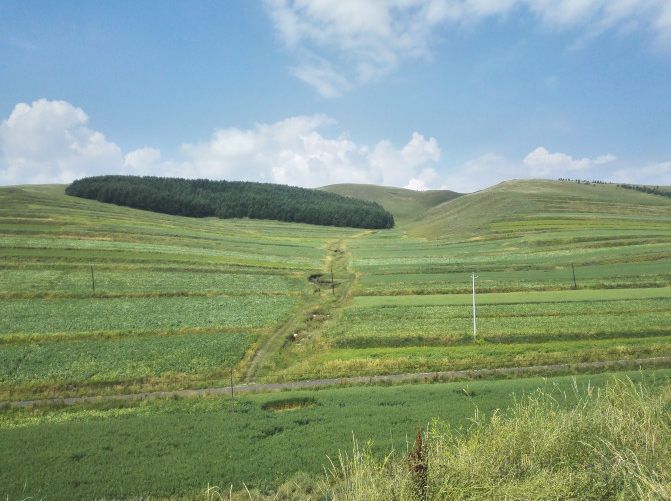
652,190
232,199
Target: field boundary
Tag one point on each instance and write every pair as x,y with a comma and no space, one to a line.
419,377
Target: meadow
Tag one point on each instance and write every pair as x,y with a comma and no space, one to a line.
409,303
97,299
176,448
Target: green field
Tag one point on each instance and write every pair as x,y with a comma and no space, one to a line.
179,447
409,301
97,299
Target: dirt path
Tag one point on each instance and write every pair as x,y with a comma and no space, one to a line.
324,298
506,372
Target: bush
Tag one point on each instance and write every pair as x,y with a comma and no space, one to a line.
613,444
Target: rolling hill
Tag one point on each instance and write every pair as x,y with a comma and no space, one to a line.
102,300
541,206
405,205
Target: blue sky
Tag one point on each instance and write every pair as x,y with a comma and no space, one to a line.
456,94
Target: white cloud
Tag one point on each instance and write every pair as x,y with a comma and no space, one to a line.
49,141
295,151
656,174
343,43
542,163
142,160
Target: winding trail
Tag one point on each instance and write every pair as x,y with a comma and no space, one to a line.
419,377
335,260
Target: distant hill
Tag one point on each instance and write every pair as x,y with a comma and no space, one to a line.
232,199
406,205
525,206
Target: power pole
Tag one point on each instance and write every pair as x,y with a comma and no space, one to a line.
93,281
474,276
332,282
232,397
575,285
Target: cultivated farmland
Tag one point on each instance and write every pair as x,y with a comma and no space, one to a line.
410,292
101,300
96,298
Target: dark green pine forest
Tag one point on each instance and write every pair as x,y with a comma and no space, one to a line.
232,199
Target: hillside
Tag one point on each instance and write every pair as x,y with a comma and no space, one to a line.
541,206
102,300
232,199
405,205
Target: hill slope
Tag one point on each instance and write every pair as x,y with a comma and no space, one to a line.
542,206
405,205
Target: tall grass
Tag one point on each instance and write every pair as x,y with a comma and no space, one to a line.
615,443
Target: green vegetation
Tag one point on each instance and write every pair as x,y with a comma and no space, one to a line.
98,299
406,205
232,199
409,308
611,444
177,447
654,190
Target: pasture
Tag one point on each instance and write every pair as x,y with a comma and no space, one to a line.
96,298
409,306
176,448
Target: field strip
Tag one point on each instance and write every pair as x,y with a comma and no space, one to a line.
515,297
140,294
469,374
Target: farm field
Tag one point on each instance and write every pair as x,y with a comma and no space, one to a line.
99,300
96,298
409,306
176,448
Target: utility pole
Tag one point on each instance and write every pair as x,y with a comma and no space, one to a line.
474,276
332,282
232,397
93,281
575,285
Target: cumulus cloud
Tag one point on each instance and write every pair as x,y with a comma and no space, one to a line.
50,141
344,43
296,151
656,174
542,163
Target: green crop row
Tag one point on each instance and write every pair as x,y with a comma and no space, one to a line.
80,280
140,313
113,361
391,360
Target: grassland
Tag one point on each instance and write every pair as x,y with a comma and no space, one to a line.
96,298
405,205
409,306
612,444
177,447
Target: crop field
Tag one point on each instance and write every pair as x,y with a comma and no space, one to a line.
99,300
410,302
179,447
96,298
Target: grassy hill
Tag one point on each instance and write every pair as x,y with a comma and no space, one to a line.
97,299
526,240
405,205
540,205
